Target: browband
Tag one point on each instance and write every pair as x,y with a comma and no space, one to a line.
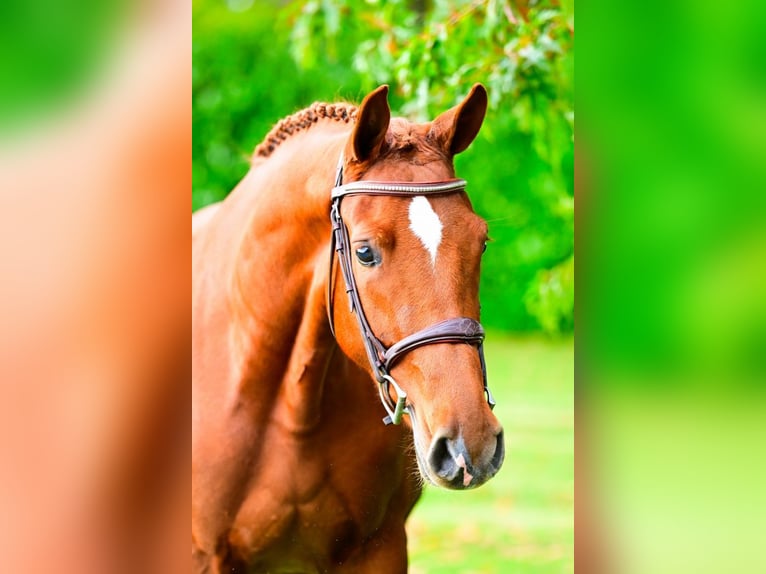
388,188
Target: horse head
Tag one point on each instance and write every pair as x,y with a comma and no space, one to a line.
415,260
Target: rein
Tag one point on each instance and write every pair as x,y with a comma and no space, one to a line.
382,358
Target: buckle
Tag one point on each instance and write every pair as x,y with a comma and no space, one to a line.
490,399
395,411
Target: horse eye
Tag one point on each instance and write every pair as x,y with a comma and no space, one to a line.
484,247
366,256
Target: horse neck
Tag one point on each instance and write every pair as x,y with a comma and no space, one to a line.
281,268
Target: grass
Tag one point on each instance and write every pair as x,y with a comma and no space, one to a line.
522,520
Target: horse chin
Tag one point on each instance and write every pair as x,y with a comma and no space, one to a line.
422,467
419,457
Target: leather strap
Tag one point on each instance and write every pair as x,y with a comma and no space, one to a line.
460,330
367,187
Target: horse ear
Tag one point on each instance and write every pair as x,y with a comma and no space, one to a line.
455,129
371,126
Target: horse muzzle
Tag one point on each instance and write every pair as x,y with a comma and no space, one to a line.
450,465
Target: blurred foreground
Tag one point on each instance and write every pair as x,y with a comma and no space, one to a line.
672,355
95,173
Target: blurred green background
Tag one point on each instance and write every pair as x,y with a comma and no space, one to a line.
52,52
256,62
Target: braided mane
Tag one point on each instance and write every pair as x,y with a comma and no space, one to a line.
302,120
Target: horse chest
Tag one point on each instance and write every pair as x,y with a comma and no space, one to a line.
310,503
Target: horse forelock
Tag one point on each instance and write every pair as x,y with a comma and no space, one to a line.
404,137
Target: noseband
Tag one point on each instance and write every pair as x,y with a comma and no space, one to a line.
382,358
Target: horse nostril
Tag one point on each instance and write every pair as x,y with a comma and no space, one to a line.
440,459
449,460
497,458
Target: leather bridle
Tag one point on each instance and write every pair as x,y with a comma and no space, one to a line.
382,358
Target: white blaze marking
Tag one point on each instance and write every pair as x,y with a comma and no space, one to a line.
426,225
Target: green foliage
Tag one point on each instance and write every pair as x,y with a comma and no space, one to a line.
550,297
253,67
432,55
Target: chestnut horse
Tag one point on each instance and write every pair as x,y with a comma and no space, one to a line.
292,469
